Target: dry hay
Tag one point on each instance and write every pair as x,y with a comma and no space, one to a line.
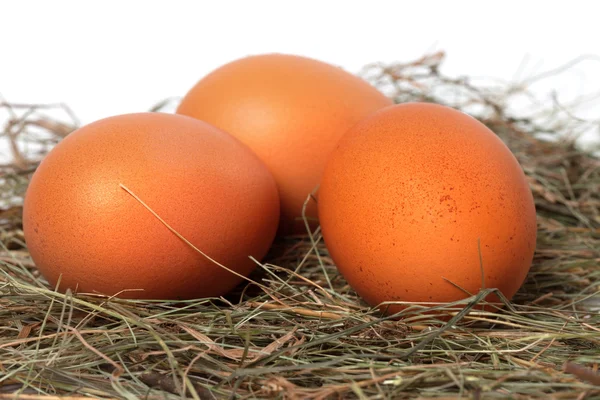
303,333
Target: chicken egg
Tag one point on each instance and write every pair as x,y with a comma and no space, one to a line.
422,203
291,111
84,230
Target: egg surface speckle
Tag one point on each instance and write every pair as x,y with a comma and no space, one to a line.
291,111
414,195
81,225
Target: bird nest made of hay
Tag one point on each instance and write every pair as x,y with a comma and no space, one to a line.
304,333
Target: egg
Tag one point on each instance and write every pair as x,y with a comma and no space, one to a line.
87,232
291,111
423,203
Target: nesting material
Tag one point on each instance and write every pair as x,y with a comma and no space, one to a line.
303,333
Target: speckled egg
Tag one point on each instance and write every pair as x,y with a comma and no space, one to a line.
418,199
86,231
291,111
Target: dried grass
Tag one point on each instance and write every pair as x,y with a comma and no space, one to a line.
302,333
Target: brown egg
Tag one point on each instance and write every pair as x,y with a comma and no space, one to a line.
80,225
413,197
291,111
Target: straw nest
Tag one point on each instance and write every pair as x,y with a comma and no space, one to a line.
303,333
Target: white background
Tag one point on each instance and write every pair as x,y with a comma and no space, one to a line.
113,57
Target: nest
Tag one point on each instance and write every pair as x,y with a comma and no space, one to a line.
302,332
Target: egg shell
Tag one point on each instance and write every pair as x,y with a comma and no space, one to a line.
81,225
291,111
414,195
